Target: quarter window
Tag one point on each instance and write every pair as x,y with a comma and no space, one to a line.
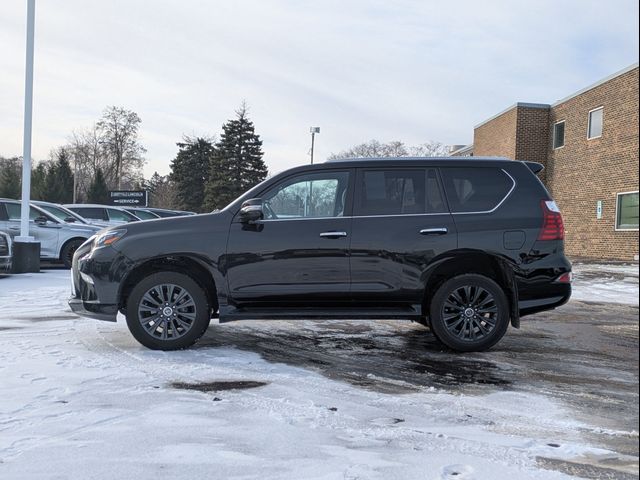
558,135
595,123
475,189
318,195
627,211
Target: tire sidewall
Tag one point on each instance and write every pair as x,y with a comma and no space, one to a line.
200,324
65,251
437,322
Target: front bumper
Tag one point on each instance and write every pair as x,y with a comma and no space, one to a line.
95,310
95,280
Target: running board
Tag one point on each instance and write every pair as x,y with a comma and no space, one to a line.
338,313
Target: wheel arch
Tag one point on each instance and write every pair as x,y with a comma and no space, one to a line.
479,262
67,242
185,264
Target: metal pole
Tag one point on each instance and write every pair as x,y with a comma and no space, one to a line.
75,177
28,108
313,136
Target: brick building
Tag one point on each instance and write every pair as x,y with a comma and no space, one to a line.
588,143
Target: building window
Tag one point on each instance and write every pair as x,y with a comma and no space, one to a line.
627,211
595,123
558,135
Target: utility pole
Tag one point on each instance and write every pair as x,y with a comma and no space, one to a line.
27,251
313,131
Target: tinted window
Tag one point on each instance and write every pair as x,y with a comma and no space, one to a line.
627,217
14,210
143,214
3,212
121,216
558,135
475,189
399,192
92,213
308,196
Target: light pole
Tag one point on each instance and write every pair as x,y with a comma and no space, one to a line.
313,131
27,251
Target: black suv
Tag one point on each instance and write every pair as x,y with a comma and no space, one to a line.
465,246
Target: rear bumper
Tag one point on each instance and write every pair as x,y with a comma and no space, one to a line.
98,311
560,297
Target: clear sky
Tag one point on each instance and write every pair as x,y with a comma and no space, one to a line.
360,69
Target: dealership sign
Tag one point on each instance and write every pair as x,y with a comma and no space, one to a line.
124,198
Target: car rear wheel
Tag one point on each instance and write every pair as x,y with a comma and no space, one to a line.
167,311
469,313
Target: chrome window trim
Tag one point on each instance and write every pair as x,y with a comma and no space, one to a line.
513,187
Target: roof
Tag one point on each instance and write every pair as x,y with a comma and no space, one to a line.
416,159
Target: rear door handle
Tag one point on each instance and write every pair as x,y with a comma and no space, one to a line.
434,231
333,234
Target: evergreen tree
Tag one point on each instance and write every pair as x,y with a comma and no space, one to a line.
98,191
190,172
10,178
237,163
39,181
58,187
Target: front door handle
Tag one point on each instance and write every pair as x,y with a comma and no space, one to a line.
434,231
333,234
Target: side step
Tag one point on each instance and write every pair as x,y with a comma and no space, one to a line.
338,313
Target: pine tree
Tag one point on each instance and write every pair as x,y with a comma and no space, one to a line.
190,172
237,164
98,191
10,178
39,182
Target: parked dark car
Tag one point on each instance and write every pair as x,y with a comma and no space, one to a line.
465,246
5,252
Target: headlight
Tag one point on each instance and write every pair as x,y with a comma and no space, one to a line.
107,238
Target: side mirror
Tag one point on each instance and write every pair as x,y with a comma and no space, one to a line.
70,220
41,220
251,211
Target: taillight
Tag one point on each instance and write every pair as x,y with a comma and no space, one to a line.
552,224
565,278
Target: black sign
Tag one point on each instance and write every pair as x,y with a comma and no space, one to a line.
131,198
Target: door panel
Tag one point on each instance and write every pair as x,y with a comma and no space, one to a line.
47,235
299,254
401,224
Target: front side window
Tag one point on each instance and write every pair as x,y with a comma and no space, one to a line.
595,123
627,211
14,211
558,135
475,189
318,195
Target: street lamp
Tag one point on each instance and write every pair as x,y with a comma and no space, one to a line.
313,131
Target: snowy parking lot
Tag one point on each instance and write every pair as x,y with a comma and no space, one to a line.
81,399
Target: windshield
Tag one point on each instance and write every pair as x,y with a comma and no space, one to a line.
144,215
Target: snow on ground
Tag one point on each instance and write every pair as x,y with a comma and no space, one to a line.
81,399
597,282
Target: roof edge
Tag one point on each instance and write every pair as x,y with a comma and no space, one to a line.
542,106
631,67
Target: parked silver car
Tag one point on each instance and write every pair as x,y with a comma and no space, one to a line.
101,214
58,240
5,252
63,213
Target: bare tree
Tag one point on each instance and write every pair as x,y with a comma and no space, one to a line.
86,148
395,148
118,129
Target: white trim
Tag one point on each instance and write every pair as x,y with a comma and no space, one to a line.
616,219
553,140
601,107
597,84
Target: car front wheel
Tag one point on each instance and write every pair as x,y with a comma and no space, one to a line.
469,313
167,311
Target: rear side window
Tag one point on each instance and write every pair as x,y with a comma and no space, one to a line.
399,192
91,213
475,189
121,216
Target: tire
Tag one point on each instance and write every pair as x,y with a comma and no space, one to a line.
167,311
469,313
66,255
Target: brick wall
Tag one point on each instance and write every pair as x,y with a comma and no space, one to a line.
585,171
